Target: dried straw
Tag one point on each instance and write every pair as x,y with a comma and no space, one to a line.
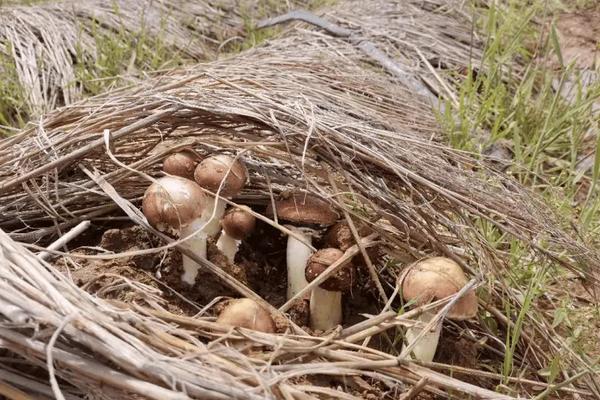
99,346
304,110
48,43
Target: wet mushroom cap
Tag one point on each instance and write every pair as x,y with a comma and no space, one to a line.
212,170
181,164
436,278
172,202
302,208
238,223
246,313
340,281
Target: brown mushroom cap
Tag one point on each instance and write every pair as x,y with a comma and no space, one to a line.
436,278
212,170
246,313
340,236
172,202
181,164
302,208
238,223
341,281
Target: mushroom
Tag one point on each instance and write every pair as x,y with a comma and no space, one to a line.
181,164
340,236
246,313
304,211
237,225
174,204
326,299
433,279
222,175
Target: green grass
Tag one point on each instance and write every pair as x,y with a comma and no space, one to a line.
547,133
12,97
123,53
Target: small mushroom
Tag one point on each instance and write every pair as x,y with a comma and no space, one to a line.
326,299
174,204
237,224
429,280
181,164
340,236
246,313
222,175
304,211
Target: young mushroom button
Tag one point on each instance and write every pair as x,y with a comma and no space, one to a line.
237,224
246,313
174,204
304,212
433,279
222,175
181,164
326,299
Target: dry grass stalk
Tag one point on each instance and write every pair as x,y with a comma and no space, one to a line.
49,43
302,108
154,361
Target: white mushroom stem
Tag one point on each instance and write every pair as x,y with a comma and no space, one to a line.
297,256
228,246
425,348
214,210
197,243
325,309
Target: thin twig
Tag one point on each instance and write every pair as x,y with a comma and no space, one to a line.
66,238
49,362
415,390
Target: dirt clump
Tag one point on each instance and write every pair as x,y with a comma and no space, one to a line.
130,239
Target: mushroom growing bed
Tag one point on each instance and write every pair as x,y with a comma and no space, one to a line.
310,118
275,248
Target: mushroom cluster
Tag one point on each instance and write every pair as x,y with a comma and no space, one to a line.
190,202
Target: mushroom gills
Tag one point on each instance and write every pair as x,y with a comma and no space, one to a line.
197,243
297,257
425,349
325,309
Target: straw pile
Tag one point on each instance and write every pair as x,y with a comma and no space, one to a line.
50,45
306,111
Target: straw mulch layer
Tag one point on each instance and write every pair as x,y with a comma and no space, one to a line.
51,45
310,112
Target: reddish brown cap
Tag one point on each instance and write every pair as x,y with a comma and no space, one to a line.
172,202
212,170
341,281
436,278
181,164
302,208
246,313
238,223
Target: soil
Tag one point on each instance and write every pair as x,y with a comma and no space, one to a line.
260,263
579,38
